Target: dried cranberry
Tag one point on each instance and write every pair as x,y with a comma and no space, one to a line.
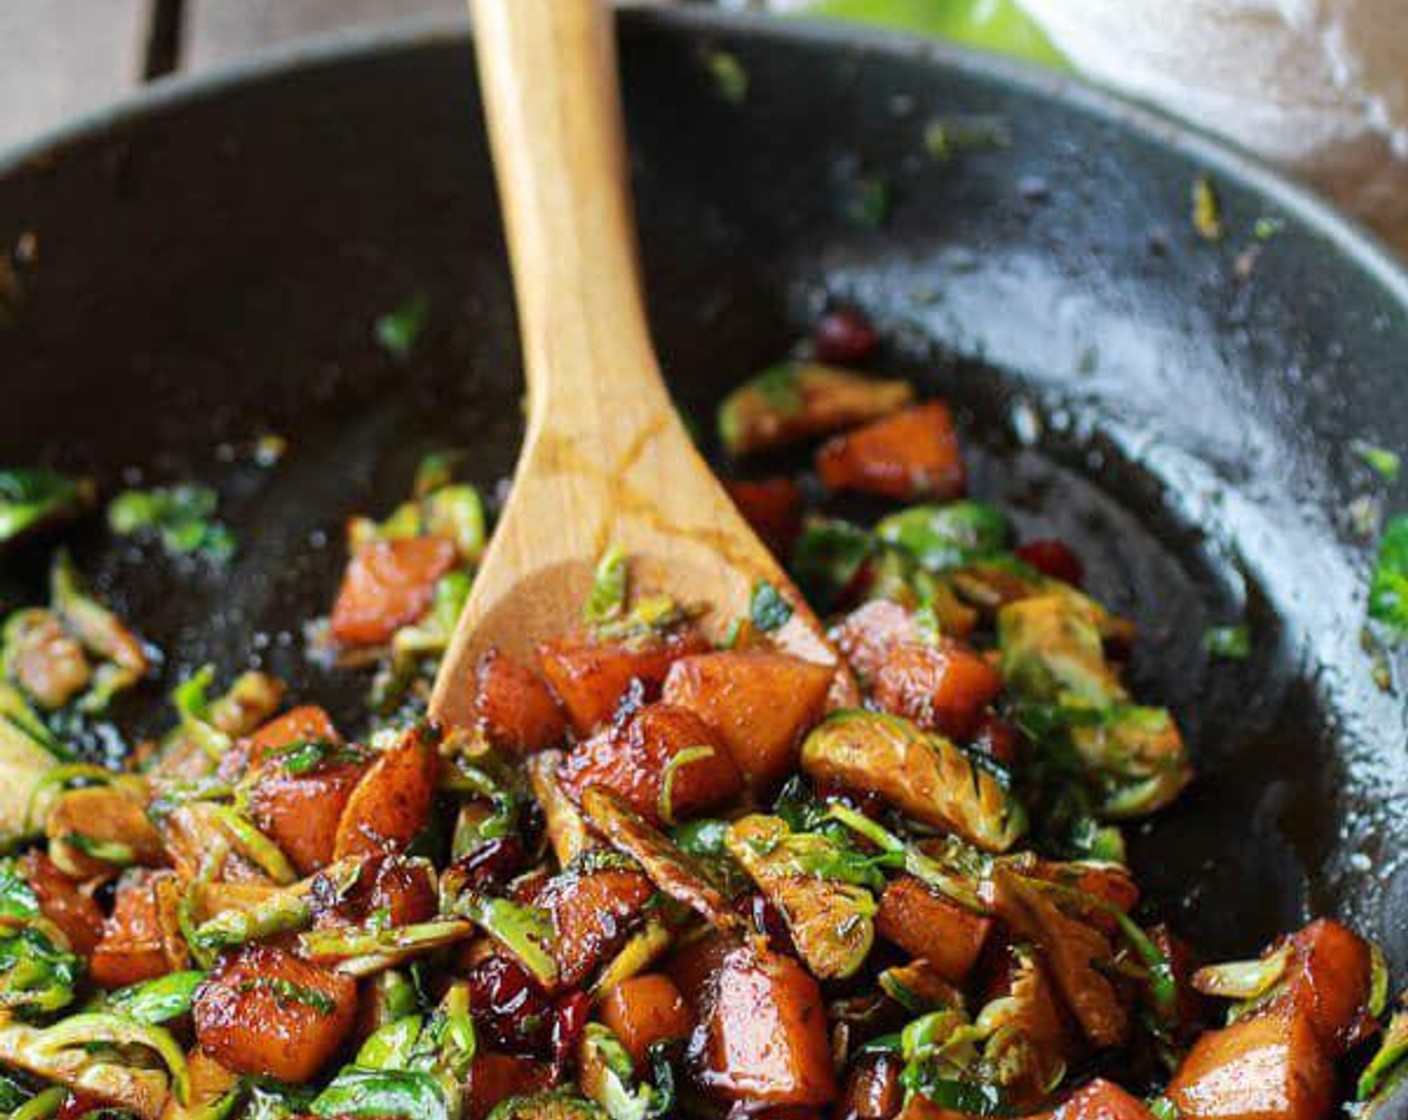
76,1105
568,1021
1053,558
492,864
509,1007
997,738
768,921
844,335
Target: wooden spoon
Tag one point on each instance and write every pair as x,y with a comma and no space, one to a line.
606,460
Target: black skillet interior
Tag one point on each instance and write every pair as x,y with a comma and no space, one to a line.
209,270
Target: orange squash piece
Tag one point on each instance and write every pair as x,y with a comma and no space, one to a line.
392,800
590,677
644,1010
142,937
592,913
1269,1067
767,1039
60,900
931,928
761,704
301,812
263,1011
644,760
773,507
912,454
307,723
1329,980
388,585
866,636
942,688
1102,1100
494,1077
514,707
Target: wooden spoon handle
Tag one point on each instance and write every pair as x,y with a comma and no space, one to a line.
548,72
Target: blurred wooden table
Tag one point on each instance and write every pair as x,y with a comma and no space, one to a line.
62,58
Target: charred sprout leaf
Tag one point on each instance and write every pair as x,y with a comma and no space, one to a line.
768,610
1024,1036
102,633
1136,757
610,585
946,536
1052,651
1243,980
31,499
24,765
609,1077
18,902
1388,589
525,931
284,911
253,845
673,872
1207,210
794,401
354,944
727,73
157,1001
924,776
398,331
143,1091
1389,1066
1383,462
370,1093
949,881
939,1051
555,1105
13,1094
810,879
918,988
36,973
827,558
1231,643
567,831
106,1028
642,949
182,517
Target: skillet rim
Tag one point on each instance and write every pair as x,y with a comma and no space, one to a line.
1352,239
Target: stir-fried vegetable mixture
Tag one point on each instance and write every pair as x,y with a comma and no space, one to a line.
670,869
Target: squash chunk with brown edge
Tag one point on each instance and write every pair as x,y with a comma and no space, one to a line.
663,760
263,1011
1329,980
644,1010
142,937
934,929
766,1032
392,801
913,454
1102,1100
388,585
1268,1067
592,911
297,800
591,677
60,901
942,688
307,723
759,702
495,1077
514,707
924,776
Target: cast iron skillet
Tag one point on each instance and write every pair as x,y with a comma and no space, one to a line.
211,260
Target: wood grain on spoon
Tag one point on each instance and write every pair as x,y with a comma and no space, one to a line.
605,460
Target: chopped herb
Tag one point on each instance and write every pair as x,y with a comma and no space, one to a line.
30,499
729,78
1388,588
1207,210
312,754
1380,460
610,583
397,331
768,609
867,200
1162,1107
287,993
182,517
1265,229
1231,643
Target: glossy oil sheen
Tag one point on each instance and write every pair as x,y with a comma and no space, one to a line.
210,267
